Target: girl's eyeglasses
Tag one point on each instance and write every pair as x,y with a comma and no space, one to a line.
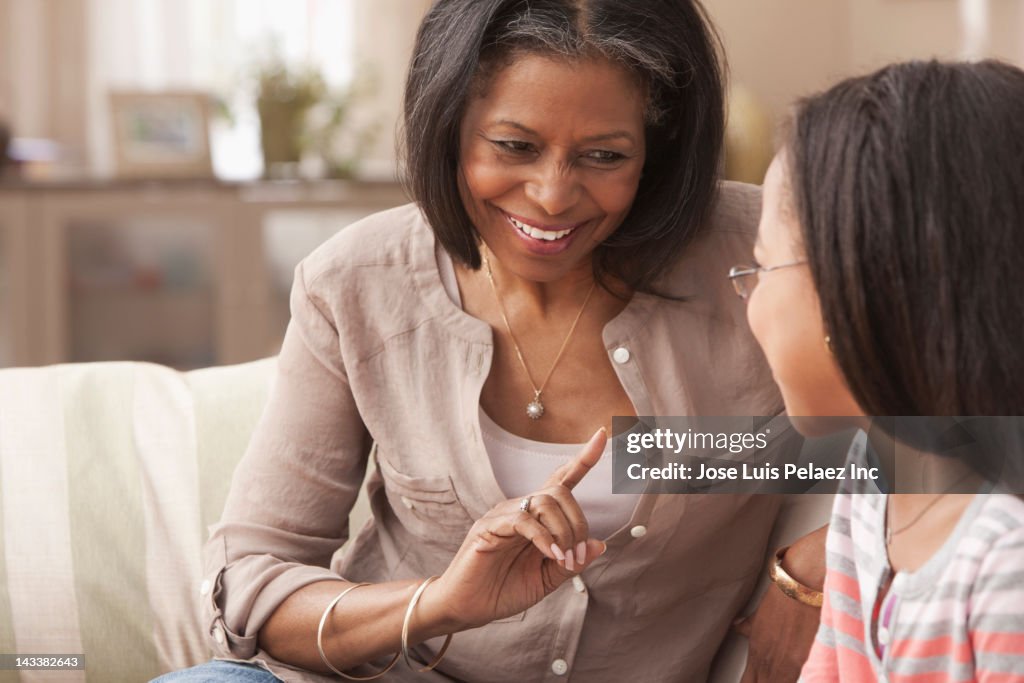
744,278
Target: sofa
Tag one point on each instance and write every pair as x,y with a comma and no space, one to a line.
110,475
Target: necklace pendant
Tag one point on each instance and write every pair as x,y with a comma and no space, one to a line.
534,409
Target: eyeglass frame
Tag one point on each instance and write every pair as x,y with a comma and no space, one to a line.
737,273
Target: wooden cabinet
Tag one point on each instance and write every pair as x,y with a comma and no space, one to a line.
187,274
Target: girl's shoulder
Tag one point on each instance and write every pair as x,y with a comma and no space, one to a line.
1000,524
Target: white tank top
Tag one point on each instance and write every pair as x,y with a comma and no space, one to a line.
521,466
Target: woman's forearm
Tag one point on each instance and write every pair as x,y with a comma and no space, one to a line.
365,625
505,565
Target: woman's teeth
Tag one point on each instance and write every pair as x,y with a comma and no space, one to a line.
539,234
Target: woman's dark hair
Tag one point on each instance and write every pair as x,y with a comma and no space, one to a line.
668,44
909,188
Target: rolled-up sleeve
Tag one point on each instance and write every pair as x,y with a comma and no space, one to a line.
288,507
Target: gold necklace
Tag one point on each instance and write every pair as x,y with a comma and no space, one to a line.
534,409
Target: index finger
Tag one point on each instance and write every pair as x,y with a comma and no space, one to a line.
573,473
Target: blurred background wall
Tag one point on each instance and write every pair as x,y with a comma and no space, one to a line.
60,58
782,49
174,159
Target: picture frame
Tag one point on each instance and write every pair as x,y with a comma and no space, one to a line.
161,134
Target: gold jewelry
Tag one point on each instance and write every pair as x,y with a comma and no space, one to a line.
534,409
320,641
405,630
790,586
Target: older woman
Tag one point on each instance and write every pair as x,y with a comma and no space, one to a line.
562,264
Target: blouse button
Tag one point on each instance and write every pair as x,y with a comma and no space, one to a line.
218,634
407,503
883,635
559,667
577,583
639,531
204,588
621,355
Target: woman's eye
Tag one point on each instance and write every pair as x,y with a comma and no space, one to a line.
605,157
514,146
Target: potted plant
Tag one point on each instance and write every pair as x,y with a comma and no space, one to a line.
284,98
299,114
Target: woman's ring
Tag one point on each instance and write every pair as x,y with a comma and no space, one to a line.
524,504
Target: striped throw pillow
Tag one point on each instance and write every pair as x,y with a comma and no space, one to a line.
110,474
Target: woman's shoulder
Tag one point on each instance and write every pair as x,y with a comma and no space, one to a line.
737,209
726,240
372,246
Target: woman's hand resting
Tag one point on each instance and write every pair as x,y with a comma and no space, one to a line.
781,630
512,559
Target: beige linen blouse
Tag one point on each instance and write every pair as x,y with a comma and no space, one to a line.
376,351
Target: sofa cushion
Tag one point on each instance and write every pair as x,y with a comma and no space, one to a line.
110,474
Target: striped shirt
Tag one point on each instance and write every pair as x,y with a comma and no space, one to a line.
959,617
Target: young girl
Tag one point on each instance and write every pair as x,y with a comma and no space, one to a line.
889,283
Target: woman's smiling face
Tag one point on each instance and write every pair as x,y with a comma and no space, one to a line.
552,152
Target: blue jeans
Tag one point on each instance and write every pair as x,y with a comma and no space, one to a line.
220,672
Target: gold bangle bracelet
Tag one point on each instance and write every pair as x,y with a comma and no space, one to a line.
405,630
320,641
790,586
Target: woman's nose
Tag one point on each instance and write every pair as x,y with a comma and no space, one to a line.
554,189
